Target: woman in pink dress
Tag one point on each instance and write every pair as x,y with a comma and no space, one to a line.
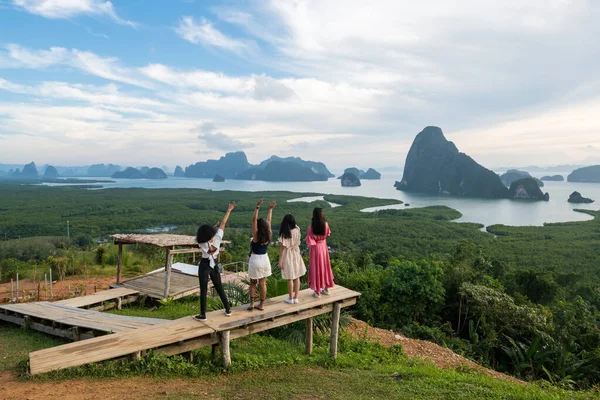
320,276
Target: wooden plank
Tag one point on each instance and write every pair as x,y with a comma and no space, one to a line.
225,351
185,334
100,297
276,307
119,263
117,345
335,326
308,348
168,273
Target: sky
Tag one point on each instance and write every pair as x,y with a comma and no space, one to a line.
173,82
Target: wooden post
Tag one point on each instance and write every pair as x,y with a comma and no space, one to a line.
76,334
46,286
225,354
119,263
168,264
335,326
17,298
309,336
119,303
51,293
12,290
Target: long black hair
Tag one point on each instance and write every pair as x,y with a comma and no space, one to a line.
287,224
205,233
318,221
263,233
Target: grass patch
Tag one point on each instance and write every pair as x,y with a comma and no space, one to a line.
268,368
16,343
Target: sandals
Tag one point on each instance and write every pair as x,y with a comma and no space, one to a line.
251,307
260,306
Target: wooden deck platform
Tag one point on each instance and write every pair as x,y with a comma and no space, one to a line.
103,300
181,285
185,334
71,322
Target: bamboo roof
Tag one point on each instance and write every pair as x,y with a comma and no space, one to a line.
162,240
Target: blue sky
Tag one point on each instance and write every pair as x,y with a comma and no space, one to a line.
144,82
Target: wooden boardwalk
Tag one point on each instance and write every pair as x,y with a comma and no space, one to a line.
185,334
153,285
181,284
102,300
71,322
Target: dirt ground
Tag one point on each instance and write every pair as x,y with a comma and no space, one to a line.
70,287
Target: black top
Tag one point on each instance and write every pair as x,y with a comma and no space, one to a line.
258,248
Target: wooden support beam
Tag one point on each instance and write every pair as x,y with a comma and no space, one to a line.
135,356
76,334
225,353
119,263
188,355
168,265
186,251
119,303
335,326
308,349
214,350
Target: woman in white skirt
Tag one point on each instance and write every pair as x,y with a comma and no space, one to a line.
259,266
291,263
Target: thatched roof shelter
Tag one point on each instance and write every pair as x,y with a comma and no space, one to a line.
162,240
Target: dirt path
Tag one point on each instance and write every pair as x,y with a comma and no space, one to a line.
414,348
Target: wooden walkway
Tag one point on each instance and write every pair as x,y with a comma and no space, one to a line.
71,322
185,334
181,285
103,300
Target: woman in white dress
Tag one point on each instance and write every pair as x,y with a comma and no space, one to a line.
259,265
291,263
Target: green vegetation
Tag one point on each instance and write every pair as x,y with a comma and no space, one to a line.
262,364
523,300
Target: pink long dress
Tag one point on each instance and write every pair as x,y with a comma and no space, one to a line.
320,275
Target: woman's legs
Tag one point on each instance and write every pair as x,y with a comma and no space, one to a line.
203,273
291,289
252,293
263,292
296,287
216,279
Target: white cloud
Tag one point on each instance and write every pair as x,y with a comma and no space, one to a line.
207,132
206,34
71,8
507,81
27,58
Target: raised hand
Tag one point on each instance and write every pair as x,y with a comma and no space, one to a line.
258,204
231,205
272,205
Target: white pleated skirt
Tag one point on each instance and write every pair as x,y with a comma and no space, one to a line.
259,266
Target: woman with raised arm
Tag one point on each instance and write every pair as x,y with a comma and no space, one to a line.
259,266
320,276
209,239
291,263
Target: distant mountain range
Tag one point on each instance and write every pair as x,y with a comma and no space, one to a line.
535,168
236,166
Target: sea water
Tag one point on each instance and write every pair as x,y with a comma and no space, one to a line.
483,211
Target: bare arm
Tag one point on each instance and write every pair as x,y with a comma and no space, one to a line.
280,256
226,217
254,219
270,215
